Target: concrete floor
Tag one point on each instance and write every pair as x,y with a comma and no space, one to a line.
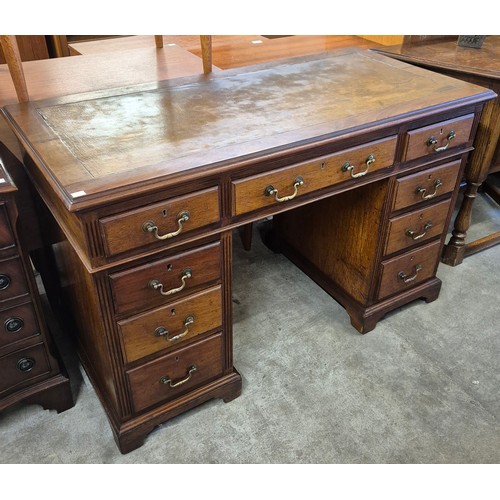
423,387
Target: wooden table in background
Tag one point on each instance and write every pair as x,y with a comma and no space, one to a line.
482,67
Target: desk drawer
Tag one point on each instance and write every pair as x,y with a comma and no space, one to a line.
177,373
169,325
18,323
426,185
159,282
12,279
22,366
438,137
284,184
417,226
172,219
411,268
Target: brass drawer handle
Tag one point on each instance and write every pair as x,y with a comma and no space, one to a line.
167,380
151,227
421,191
270,190
408,279
157,285
347,167
412,234
161,331
432,141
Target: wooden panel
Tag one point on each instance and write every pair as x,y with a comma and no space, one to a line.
418,141
392,281
131,289
439,180
139,333
339,236
416,227
250,194
31,48
82,295
146,381
125,231
6,235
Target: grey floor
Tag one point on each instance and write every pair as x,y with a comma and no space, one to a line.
423,387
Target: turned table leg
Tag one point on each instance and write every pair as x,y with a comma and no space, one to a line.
475,173
206,52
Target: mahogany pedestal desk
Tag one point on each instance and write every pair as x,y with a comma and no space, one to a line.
356,156
481,67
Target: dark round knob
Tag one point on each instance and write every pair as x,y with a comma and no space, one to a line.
14,325
25,364
4,281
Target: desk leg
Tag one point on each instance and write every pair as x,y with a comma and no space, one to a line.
475,173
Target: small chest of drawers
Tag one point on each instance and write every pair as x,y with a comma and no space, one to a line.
30,371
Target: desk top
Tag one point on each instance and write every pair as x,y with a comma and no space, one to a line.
118,142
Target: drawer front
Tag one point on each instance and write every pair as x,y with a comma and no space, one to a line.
12,279
417,226
175,374
166,221
287,183
22,366
6,236
426,185
18,323
167,326
438,137
159,282
401,273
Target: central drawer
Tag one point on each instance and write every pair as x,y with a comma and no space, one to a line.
174,374
159,282
284,184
